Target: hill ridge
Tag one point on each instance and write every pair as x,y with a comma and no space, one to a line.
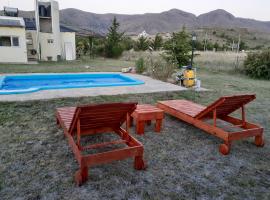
152,23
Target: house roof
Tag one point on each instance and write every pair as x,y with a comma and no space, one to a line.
66,29
11,22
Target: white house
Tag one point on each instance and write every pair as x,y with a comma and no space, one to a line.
12,40
41,38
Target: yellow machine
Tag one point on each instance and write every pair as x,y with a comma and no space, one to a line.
189,77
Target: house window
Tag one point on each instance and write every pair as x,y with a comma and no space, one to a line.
5,41
15,41
50,41
9,41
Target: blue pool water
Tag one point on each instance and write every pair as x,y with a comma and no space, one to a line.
19,84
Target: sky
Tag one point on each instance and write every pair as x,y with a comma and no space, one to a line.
254,9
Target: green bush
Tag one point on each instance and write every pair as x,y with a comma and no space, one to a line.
257,65
127,43
113,51
216,46
161,69
243,46
157,43
91,46
98,47
142,44
140,66
82,45
99,50
198,45
209,46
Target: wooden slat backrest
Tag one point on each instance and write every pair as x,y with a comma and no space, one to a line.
226,105
111,115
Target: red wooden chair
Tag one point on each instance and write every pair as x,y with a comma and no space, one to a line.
215,118
92,119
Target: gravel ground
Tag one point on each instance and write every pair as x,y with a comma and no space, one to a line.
183,162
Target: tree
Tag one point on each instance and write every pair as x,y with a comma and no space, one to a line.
177,49
82,45
222,35
142,44
209,46
216,46
157,42
198,45
127,43
224,47
242,46
113,48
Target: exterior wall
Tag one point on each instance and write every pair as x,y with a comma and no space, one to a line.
52,50
34,35
68,37
48,49
14,54
56,26
45,49
31,43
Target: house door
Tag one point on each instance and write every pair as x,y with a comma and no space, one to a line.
68,51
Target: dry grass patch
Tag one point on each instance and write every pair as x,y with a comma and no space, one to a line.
219,61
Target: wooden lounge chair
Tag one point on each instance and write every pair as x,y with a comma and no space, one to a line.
103,118
215,118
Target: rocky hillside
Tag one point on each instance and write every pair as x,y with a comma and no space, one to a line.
153,23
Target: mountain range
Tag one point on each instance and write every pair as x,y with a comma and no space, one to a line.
153,23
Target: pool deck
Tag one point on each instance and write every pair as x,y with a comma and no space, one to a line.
150,86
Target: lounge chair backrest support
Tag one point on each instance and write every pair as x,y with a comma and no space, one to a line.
225,106
111,115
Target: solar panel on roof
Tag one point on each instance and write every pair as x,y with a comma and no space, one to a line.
30,23
9,22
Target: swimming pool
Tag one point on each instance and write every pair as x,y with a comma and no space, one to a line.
20,84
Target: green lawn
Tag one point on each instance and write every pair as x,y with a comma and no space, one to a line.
183,162
83,65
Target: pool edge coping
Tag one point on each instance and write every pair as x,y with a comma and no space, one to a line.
151,86
2,79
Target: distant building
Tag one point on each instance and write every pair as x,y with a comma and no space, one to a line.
143,34
40,38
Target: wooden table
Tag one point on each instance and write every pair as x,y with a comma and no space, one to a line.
147,113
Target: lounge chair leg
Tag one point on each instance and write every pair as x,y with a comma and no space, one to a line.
57,122
158,125
259,141
139,163
140,127
131,121
81,176
225,148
